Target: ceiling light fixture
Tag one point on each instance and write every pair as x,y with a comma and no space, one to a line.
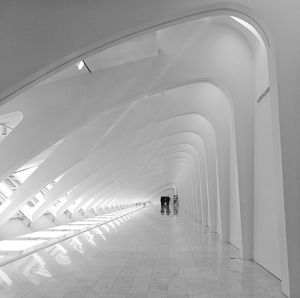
82,63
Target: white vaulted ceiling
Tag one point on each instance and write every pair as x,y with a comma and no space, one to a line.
189,97
151,110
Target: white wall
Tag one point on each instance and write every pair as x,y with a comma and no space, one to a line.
266,219
235,215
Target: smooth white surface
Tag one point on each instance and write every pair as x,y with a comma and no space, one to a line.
148,255
267,217
184,50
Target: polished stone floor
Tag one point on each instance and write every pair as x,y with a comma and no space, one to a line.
17,247
145,254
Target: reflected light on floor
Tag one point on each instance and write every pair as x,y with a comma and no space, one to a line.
76,244
106,228
99,232
41,239
61,249
68,227
5,278
90,238
63,259
41,270
112,225
87,223
30,275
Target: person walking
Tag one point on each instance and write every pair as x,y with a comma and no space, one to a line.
165,202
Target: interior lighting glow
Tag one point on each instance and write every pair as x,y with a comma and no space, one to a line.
248,26
82,223
68,227
19,245
80,64
5,189
44,234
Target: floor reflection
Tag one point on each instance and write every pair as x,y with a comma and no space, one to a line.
17,247
150,256
4,279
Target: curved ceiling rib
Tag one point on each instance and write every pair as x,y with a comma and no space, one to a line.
127,128
170,101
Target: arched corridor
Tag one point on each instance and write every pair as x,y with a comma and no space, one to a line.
105,107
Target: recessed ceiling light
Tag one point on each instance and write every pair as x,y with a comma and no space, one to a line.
80,64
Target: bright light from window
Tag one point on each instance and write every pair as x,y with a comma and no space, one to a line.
19,245
4,205
92,220
22,175
44,234
248,26
82,223
59,177
39,196
68,227
5,189
90,238
80,64
74,205
49,186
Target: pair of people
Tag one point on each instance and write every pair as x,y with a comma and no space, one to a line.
164,202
